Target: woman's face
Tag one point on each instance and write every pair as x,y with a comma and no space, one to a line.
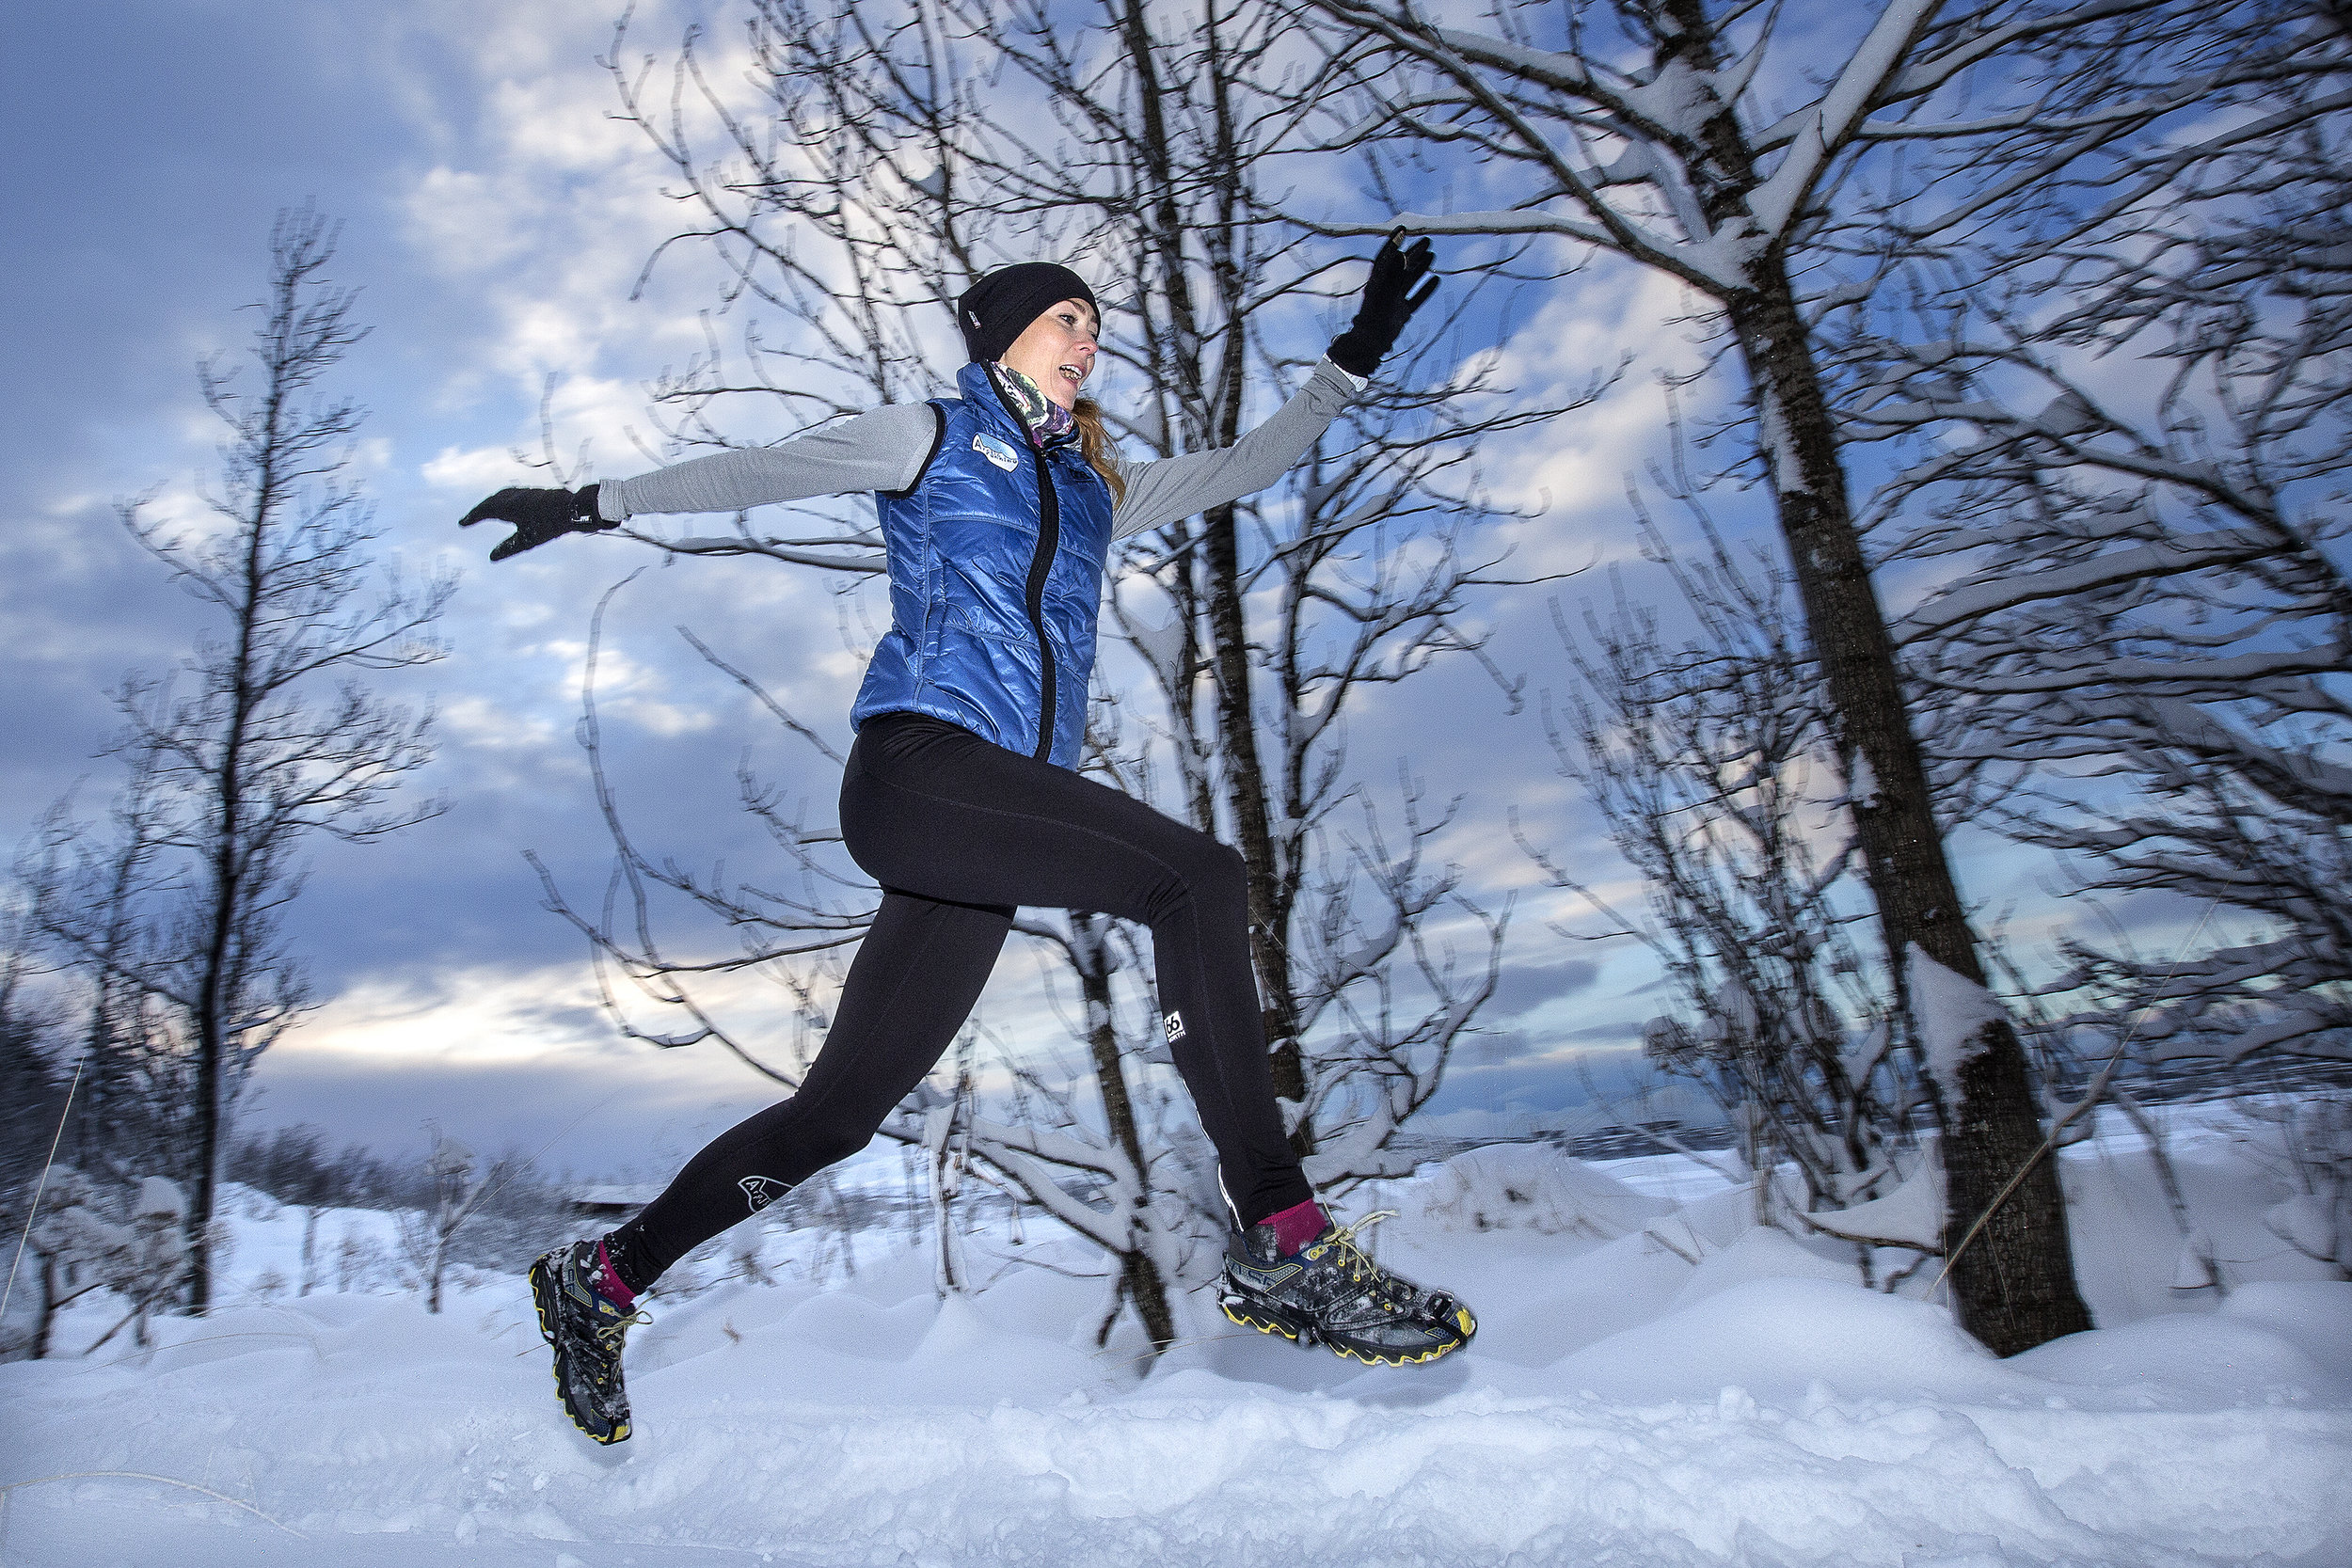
1057,350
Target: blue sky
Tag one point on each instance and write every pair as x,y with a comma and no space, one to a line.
494,217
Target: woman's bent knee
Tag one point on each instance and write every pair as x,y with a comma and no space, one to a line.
1229,881
793,1145
1204,875
830,1145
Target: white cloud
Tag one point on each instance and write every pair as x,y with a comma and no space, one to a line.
484,1014
1576,467
539,209
477,720
475,471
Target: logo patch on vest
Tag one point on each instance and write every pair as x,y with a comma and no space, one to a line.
996,452
763,1189
1175,1025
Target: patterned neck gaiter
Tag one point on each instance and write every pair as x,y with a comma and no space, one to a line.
1047,422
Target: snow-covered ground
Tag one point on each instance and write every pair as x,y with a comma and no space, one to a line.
1655,1382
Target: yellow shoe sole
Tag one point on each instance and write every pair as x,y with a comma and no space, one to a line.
1269,1324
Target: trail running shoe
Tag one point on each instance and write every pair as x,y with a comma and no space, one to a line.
1329,1293
586,1327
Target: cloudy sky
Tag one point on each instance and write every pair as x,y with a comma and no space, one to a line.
495,217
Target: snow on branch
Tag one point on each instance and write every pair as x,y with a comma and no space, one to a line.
1970,601
1833,121
1910,1216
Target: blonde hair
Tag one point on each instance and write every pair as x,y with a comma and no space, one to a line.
1095,443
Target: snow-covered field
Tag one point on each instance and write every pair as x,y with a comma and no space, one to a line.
1622,1405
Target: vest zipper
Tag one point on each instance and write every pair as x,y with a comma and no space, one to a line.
1041,565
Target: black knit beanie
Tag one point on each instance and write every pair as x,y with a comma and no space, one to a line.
1000,306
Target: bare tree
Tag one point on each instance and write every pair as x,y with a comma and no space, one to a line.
1722,144
238,756
458,1190
99,903
33,1081
1709,761
1367,568
33,1105
2136,499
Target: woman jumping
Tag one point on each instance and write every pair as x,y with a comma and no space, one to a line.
998,508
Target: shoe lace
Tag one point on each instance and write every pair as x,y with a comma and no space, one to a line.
1391,1288
612,1333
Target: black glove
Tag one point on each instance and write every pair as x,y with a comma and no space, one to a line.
538,516
1389,301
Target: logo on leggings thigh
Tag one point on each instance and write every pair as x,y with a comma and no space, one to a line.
1175,1022
763,1189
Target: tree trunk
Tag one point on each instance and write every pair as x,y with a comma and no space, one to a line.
1144,1286
1149,1291
226,882
211,1024
1183,705
199,1219
1215,415
48,1320
1246,791
2014,1286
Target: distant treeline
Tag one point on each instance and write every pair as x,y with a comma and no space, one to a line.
294,1164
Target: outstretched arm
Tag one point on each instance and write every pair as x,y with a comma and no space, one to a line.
1159,493
880,450
883,449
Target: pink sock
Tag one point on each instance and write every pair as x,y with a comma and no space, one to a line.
1295,1225
609,1284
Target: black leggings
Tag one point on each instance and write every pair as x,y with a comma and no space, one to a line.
959,832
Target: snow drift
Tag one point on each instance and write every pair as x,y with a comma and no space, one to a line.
1622,1403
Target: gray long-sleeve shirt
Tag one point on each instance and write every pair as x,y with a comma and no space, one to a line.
884,450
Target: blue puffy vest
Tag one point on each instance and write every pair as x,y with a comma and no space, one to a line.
997,556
